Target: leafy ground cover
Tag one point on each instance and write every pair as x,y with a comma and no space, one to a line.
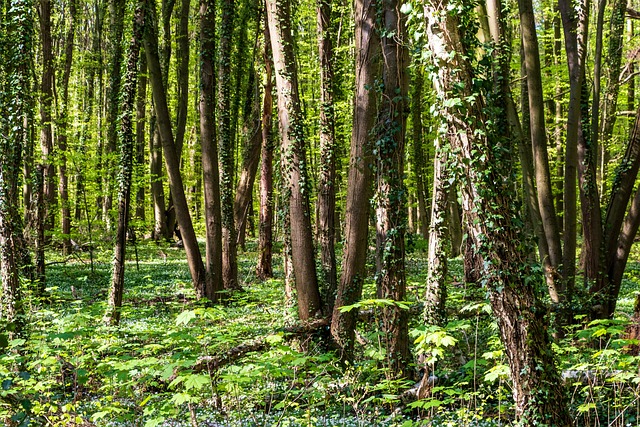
176,362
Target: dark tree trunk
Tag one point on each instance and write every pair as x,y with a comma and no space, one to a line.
359,187
293,150
141,121
213,221
194,259
182,74
264,268
226,145
157,187
328,152
112,316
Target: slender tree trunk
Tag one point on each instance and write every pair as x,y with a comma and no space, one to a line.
226,145
112,316
141,121
293,150
436,292
328,152
494,224
264,268
359,186
194,259
540,155
212,213
46,101
182,73
63,185
116,10
418,152
251,159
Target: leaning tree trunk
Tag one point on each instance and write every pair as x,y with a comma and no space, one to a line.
360,178
293,150
112,316
328,152
194,259
227,148
479,128
213,221
264,268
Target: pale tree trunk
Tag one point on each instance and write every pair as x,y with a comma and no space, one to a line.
418,153
194,259
328,152
63,184
293,151
494,224
264,268
436,292
212,215
359,184
116,291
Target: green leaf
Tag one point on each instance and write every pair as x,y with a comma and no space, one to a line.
185,317
196,382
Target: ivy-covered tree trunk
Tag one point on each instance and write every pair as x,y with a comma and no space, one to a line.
391,192
328,153
359,185
294,157
211,183
46,102
141,125
264,268
63,184
194,259
16,47
226,145
478,123
116,10
112,316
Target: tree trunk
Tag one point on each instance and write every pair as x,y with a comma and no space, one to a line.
484,149
328,152
540,155
116,10
112,316
194,259
212,214
46,101
264,268
418,153
141,121
157,186
182,74
359,186
226,145
293,150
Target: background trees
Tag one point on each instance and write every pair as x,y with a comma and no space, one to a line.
488,80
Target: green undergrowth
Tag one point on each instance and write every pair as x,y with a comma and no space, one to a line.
174,361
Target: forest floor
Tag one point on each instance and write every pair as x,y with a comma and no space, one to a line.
175,362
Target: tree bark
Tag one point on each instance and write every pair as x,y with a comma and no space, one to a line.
226,146
293,151
194,259
418,152
328,152
264,268
359,186
116,291
479,130
141,122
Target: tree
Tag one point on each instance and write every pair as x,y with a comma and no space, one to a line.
295,165
359,185
476,120
112,316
